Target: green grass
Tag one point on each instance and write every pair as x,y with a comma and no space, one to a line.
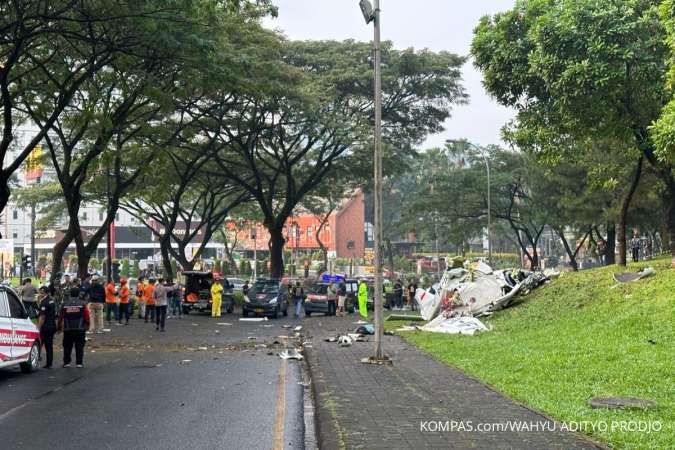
578,337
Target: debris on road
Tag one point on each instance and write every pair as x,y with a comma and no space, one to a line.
286,326
290,354
331,339
344,341
366,329
298,328
360,322
626,277
185,361
252,338
253,319
224,324
202,348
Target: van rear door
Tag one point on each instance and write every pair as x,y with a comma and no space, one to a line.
6,332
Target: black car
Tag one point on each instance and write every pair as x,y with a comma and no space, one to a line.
267,297
197,292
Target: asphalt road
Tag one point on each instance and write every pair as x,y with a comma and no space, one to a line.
203,384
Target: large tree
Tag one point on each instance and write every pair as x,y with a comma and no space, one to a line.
281,143
585,68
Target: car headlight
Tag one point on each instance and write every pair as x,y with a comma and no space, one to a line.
273,301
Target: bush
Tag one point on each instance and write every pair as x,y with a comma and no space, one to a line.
135,270
124,268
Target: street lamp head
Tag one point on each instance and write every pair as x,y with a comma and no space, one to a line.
367,10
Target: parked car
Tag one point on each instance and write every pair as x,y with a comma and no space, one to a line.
318,300
19,337
267,296
237,284
197,292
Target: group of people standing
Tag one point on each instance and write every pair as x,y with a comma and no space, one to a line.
78,307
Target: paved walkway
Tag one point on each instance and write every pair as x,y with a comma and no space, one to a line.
407,404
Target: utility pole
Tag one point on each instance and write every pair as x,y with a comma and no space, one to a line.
372,13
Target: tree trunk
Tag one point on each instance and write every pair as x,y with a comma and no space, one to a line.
228,253
276,247
610,245
166,258
60,249
623,213
570,254
669,200
4,193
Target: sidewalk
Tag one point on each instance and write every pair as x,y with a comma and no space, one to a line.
369,406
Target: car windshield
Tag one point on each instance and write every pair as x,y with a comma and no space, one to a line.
320,289
266,287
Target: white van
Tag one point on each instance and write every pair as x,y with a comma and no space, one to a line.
19,337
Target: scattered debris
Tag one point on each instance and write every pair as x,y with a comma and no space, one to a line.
106,330
379,362
253,319
268,326
366,329
252,338
290,354
455,325
202,348
411,317
224,324
185,361
331,339
408,328
298,328
195,324
626,277
389,333
344,341
286,326
360,322
621,403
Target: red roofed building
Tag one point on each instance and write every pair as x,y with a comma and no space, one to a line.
343,234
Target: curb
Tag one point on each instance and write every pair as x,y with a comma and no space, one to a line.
327,430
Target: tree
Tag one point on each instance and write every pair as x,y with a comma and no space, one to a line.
588,69
280,144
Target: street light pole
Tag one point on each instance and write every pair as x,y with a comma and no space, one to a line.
372,13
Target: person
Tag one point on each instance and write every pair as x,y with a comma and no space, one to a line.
176,303
160,301
96,302
47,323
635,247
363,298
245,288
74,321
298,297
149,300
111,302
331,293
28,291
216,296
398,295
648,246
342,296
85,286
412,289
124,308
140,297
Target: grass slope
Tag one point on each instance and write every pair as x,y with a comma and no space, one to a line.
578,337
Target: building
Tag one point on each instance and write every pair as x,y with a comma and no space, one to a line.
343,233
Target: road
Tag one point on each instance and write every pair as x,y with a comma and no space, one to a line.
204,383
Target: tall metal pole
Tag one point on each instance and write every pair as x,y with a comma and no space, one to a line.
378,187
489,210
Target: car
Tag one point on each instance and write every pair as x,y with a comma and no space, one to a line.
237,284
197,292
19,337
268,297
318,300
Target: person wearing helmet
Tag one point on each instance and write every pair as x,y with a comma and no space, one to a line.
124,310
216,296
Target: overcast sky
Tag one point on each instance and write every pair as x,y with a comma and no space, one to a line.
434,24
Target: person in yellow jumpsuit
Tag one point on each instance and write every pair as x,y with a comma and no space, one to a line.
216,297
363,299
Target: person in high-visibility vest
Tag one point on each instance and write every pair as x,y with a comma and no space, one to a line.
124,302
216,296
363,299
111,302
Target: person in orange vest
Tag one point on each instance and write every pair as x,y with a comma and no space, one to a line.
124,302
111,301
140,297
149,300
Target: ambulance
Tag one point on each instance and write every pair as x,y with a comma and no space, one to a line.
19,337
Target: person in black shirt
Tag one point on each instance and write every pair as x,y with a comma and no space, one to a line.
74,322
47,323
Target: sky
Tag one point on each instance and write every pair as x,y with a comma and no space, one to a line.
433,24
